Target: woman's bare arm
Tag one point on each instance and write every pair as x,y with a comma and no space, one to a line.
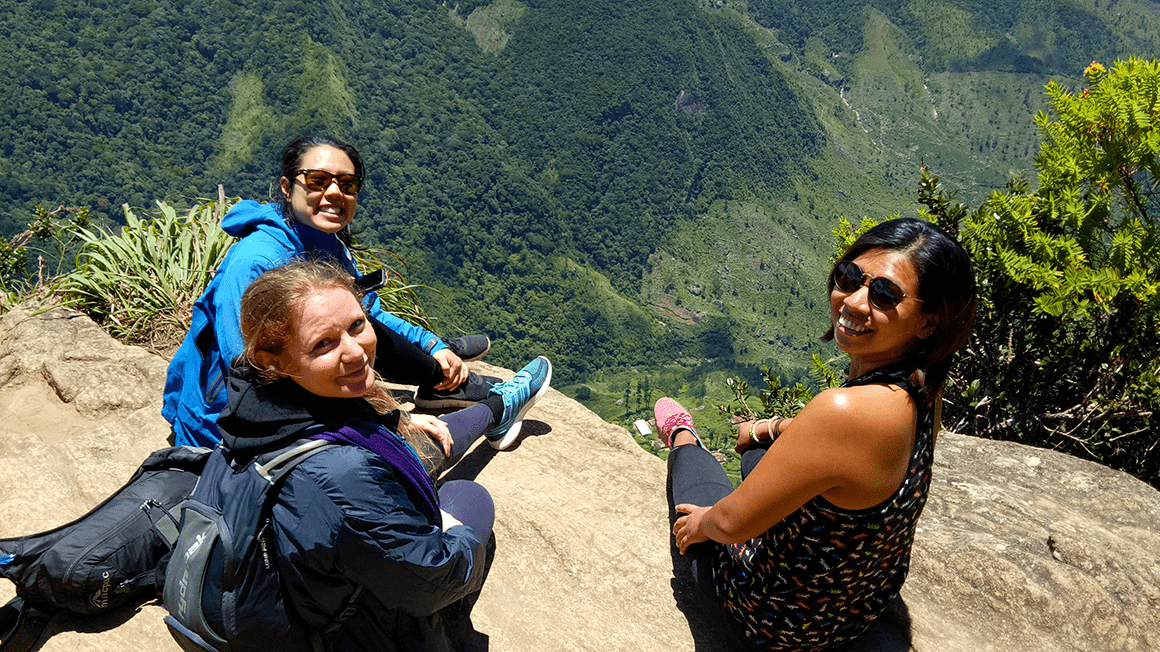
851,445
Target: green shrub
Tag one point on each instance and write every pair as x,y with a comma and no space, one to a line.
1063,354
50,237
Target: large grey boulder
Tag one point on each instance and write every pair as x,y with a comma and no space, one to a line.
1028,549
1019,548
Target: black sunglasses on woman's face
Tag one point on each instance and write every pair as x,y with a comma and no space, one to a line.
319,180
884,293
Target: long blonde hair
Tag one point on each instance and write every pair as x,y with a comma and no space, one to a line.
270,308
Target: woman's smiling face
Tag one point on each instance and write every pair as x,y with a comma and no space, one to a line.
875,337
331,351
327,210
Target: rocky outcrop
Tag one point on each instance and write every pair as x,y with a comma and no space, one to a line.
1027,549
1019,548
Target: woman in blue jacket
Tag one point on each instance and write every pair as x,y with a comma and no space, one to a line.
321,177
362,519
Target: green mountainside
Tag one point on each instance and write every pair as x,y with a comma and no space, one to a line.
642,190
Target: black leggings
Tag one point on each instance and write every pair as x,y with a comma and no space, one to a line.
469,424
400,361
470,503
696,478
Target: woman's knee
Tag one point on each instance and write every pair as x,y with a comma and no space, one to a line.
470,503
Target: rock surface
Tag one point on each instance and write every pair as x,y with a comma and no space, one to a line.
1019,548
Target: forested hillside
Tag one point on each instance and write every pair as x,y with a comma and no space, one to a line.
620,185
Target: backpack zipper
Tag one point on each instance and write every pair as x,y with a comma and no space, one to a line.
122,524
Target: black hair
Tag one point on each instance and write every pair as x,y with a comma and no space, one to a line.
292,156
946,286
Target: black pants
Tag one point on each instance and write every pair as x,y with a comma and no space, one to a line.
466,426
696,478
400,361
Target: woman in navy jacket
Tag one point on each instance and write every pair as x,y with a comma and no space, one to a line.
362,519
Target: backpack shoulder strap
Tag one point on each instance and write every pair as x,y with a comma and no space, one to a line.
274,466
21,625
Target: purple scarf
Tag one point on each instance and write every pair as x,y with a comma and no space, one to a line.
399,454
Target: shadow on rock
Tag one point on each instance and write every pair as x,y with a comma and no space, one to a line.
457,616
471,464
65,621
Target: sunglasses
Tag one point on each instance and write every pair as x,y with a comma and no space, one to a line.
320,180
884,293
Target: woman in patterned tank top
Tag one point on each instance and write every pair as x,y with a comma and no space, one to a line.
815,542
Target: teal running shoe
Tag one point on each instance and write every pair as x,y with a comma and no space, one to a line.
519,394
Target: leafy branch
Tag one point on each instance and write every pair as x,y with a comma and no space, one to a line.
776,400
50,236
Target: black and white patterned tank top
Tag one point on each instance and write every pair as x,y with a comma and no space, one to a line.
822,574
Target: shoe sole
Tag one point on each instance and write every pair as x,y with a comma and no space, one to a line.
513,432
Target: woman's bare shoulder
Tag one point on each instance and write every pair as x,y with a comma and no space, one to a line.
863,416
868,431
862,401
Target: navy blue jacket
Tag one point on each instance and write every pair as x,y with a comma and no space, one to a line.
346,518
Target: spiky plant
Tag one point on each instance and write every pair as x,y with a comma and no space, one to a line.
140,283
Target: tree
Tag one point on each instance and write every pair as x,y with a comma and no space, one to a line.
1064,349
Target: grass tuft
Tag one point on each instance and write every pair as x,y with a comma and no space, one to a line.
140,284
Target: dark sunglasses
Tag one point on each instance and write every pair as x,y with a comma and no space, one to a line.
320,180
884,293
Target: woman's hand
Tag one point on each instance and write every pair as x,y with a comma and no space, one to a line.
454,371
765,432
687,529
745,439
436,429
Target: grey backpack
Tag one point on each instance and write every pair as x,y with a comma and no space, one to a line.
222,585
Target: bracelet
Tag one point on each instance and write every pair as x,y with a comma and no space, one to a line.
753,431
773,426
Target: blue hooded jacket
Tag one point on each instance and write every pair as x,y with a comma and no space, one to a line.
195,385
